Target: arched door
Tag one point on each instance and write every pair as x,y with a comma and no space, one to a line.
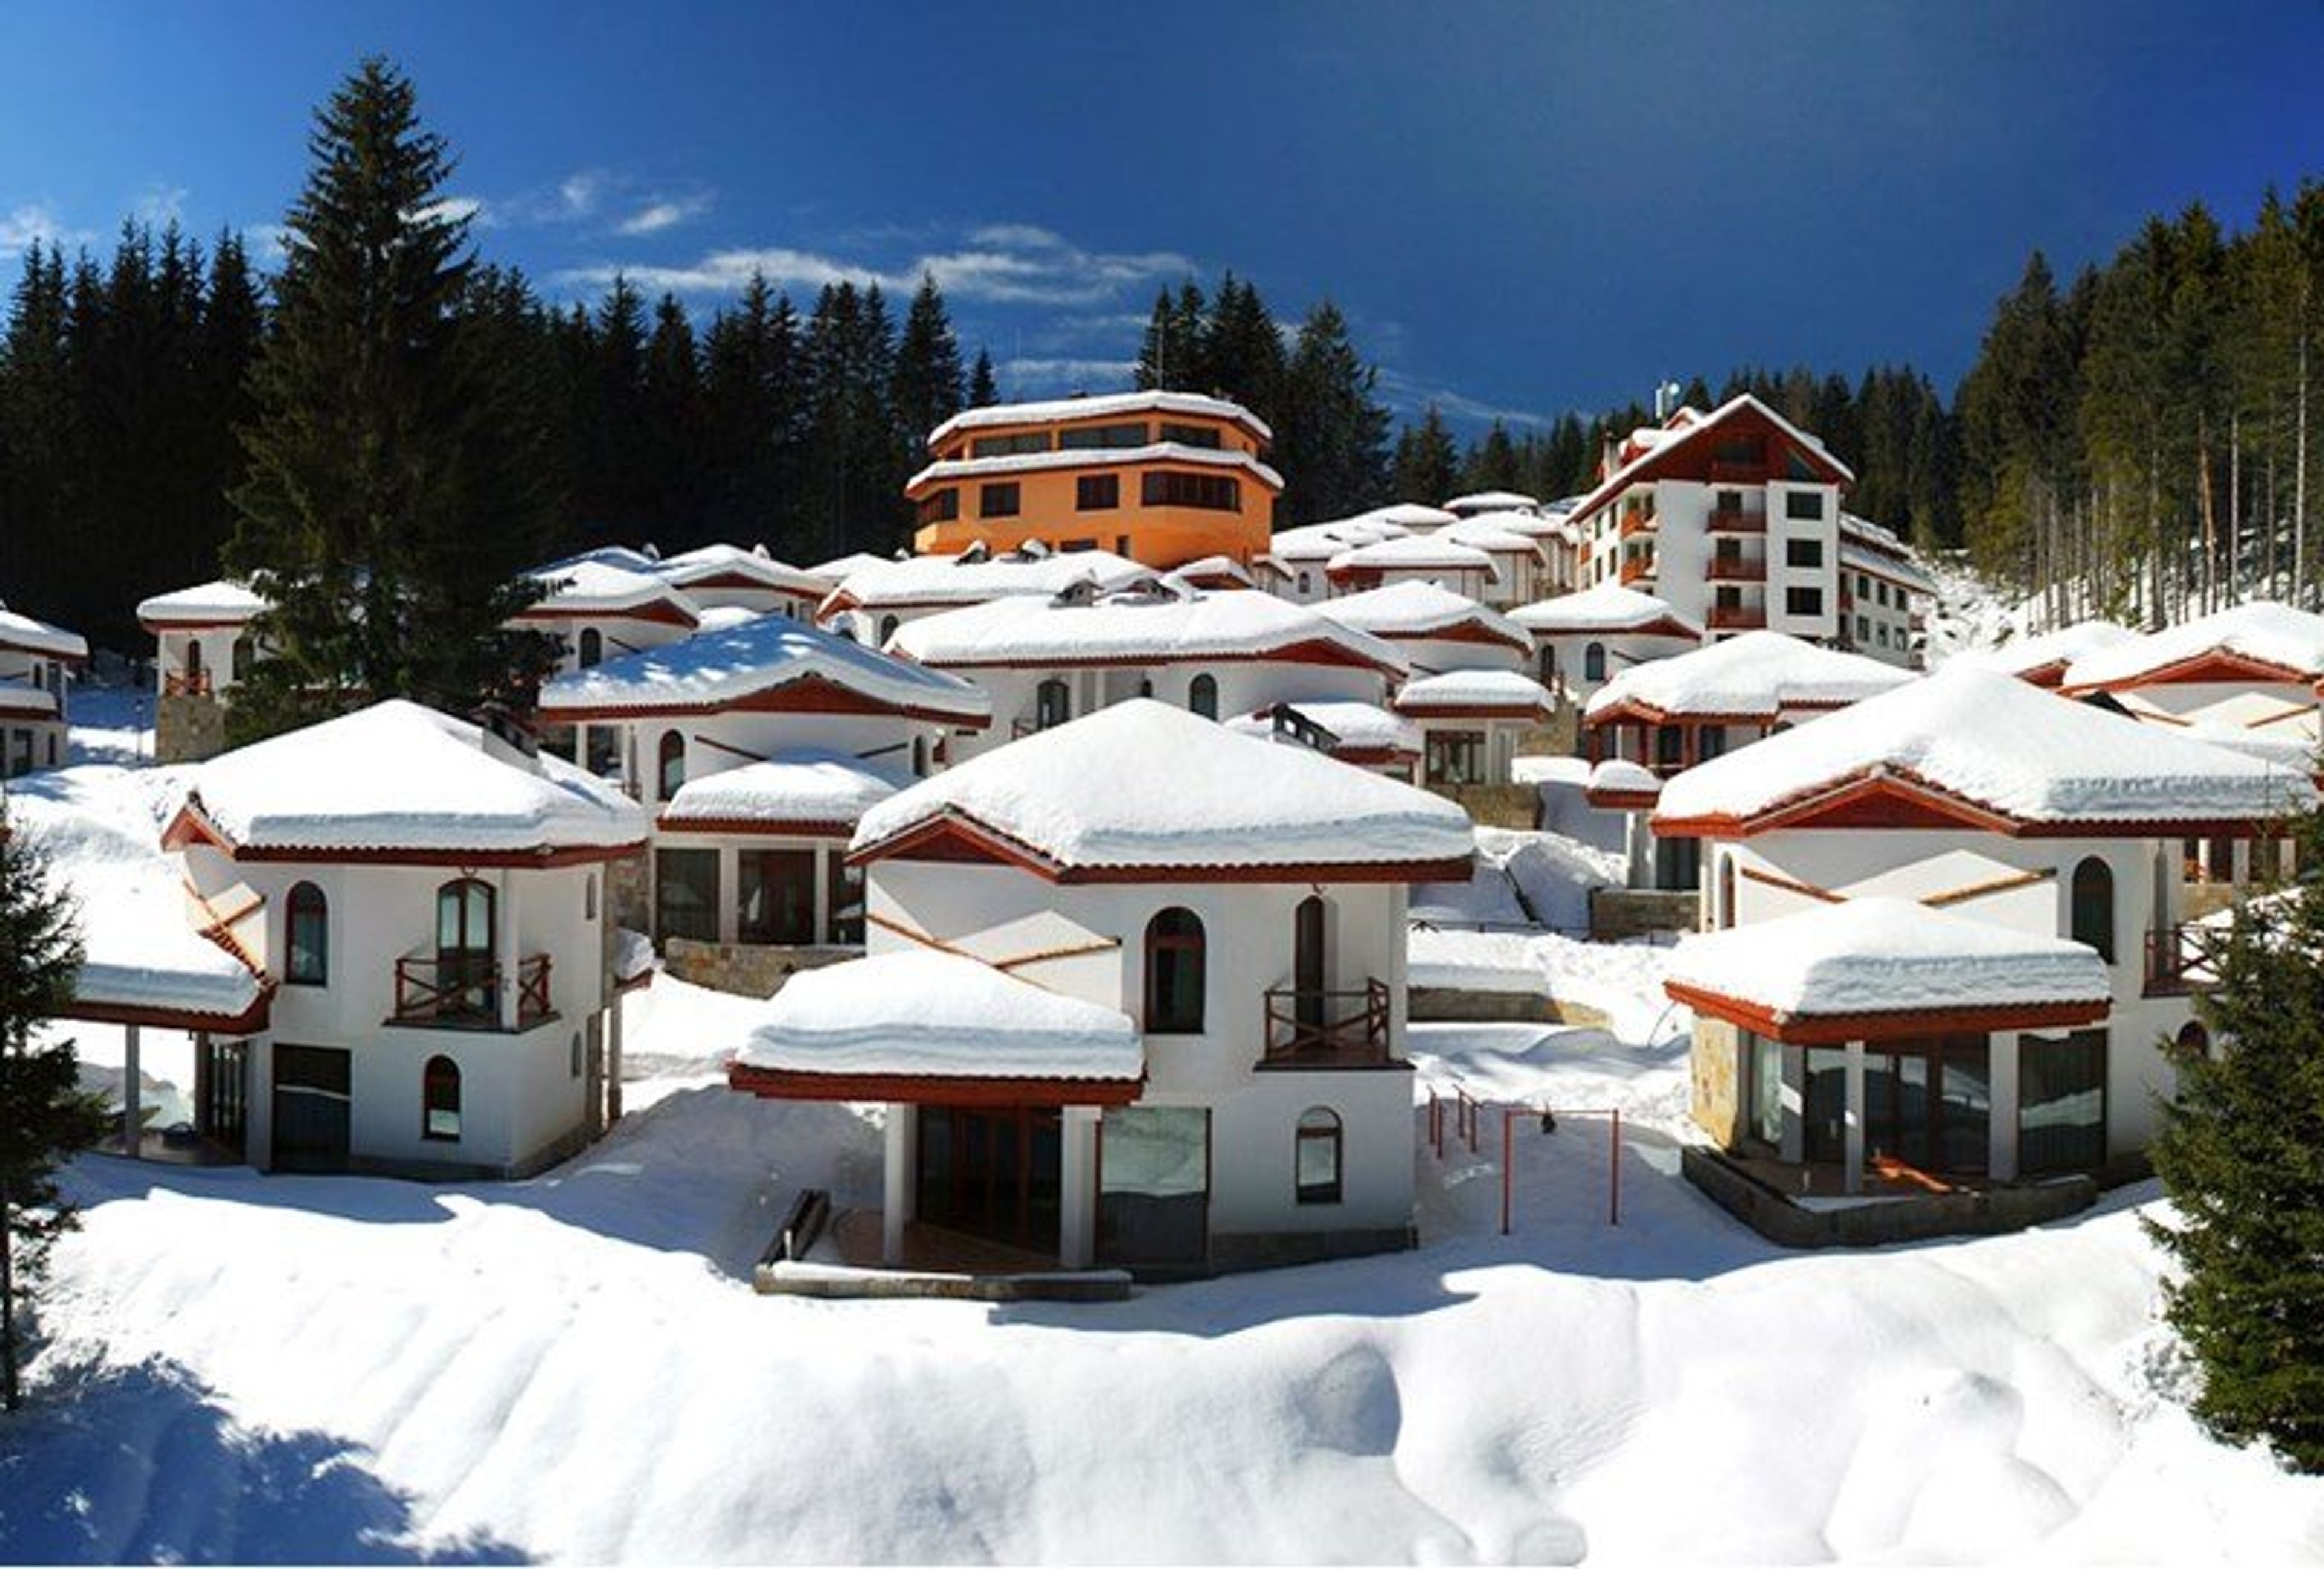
1308,967
464,949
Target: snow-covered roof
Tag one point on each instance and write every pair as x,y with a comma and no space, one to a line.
1865,547
1531,525
999,416
1489,534
1322,541
691,566
825,788
1607,607
1884,955
1141,628
1356,729
920,1013
2062,646
1413,553
1619,780
1096,457
595,589
397,777
1146,787
1995,743
213,603
100,829
1492,500
2262,629
839,568
1690,426
713,670
621,557
923,580
1414,608
725,617
1754,675
1474,692
1211,572
1416,516
22,699
38,637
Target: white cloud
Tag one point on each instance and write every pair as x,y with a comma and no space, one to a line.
160,205
1412,398
580,191
265,243
1042,375
21,227
664,213
454,209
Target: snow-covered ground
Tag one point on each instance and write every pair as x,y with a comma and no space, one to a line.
307,1367
110,724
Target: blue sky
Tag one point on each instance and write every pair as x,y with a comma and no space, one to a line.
1523,209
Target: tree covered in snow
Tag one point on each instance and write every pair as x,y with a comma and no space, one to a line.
2242,1157
44,1114
396,488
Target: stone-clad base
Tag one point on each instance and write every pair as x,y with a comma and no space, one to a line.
1510,806
1875,1222
745,969
188,729
1616,913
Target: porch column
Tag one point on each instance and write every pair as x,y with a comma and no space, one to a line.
614,1059
133,1110
204,1092
1077,1185
1852,1141
901,1184
2001,1131
1793,1146
505,950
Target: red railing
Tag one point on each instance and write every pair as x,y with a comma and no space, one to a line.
1735,569
2177,962
1636,569
1735,521
1738,617
1315,1028
185,684
1635,523
462,992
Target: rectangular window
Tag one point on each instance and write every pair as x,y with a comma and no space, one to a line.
1455,757
1154,1196
686,895
1804,602
941,507
1010,446
1741,450
998,500
1803,552
1766,1089
1191,435
1670,746
1097,493
1863,586
2061,1119
1863,628
1102,437
1884,634
1729,501
1880,593
846,885
1807,505
774,897
1207,492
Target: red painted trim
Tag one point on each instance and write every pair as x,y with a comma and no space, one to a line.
1661,626
1622,800
2212,665
1528,710
158,627
760,827
1839,1028
1902,800
727,577
954,835
808,693
1306,651
1689,458
249,1021
192,827
660,611
930,1089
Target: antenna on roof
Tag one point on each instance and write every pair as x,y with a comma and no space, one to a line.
1667,394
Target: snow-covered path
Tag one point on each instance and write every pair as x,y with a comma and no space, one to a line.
333,1367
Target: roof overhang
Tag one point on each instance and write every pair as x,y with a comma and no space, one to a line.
930,1089
156,1016
193,826
805,693
2210,665
954,835
1892,797
1873,1028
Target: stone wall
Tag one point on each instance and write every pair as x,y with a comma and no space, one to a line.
188,729
1452,1005
746,970
1509,805
1616,913
629,892
1713,1066
1880,1222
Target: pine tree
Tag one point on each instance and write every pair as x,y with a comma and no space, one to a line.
926,387
983,391
1169,354
754,415
668,441
2242,1157
377,518
45,1117
1240,352
1427,468
1492,463
1331,445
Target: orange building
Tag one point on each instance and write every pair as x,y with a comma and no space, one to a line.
1164,478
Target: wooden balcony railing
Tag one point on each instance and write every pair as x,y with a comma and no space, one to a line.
2178,961
1735,569
1738,617
185,684
460,992
1636,523
1735,521
1637,568
1327,1030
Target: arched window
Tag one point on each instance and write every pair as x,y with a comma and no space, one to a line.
441,1099
239,659
306,937
669,771
1202,695
2193,1040
1173,973
888,624
2093,906
466,966
1053,705
1309,966
1315,1156
1594,662
592,647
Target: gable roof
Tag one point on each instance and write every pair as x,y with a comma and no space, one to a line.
399,782
2269,640
1663,453
590,589
1755,675
1607,607
1144,792
1137,628
1416,609
1980,749
742,665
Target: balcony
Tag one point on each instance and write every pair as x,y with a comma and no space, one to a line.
2178,961
462,992
1736,521
1327,1030
186,684
1636,523
1735,569
1637,568
1738,617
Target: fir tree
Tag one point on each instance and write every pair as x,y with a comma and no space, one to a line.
1427,465
1241,355
1492,465
983,391
45,1117
376,518
1169,354
1333,443
754,412
926,386
2242,1158
669,442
